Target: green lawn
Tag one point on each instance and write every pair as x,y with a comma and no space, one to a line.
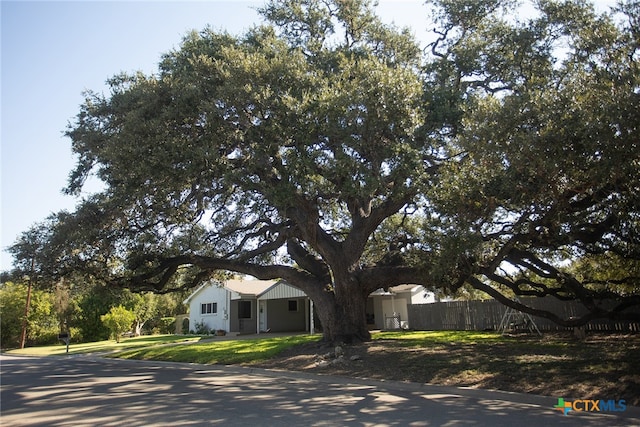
430,338
249,351
104,346
238,351
179,348
220,352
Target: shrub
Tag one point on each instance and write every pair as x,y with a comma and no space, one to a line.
167,325
47,337
75,335
202,328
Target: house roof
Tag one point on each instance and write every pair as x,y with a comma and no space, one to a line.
249,287
266,289
263,289
394,290
275,289
197,291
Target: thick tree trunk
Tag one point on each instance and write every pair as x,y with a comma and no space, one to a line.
342,314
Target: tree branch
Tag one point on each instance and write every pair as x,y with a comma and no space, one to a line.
595,312
159,277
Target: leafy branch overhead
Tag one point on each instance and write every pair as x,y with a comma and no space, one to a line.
333,151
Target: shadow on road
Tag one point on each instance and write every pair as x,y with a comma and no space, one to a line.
86,391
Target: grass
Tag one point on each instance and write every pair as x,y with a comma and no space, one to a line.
221,352
103,346
430,338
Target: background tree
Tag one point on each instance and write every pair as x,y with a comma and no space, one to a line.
12,300
118,320
29,251
92,306
64,303
168,307
144,306
42,322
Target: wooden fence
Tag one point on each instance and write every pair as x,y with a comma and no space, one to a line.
487,315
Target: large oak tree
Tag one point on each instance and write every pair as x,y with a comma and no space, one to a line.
330,150
278,154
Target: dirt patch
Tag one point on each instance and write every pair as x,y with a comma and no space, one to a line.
557,365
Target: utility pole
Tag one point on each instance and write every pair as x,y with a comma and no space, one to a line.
23,339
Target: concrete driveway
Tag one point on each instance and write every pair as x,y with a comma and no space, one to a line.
92,391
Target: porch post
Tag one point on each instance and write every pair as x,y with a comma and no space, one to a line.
258,315
227,310
393,304
311,325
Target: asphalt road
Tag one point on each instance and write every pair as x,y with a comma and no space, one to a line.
92,391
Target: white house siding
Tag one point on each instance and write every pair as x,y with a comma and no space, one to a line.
419,295
209,294
392,308
383,305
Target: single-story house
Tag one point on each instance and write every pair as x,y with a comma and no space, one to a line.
249,307
255,306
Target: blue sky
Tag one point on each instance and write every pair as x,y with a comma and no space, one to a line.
52,51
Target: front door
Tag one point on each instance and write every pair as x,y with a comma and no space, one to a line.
262,315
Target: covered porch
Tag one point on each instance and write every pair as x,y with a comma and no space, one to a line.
261,307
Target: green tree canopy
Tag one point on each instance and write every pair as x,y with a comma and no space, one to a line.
549,166
332,151
144,306
287,138
118,320
42,323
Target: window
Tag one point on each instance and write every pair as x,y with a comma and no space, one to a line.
293,305
209,308
244,310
